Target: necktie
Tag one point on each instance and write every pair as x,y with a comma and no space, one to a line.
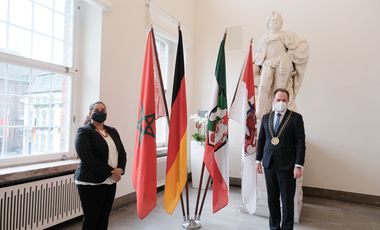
277,124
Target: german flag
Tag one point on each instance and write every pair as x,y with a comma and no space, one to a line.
176,167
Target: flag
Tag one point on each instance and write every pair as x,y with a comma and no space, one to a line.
176,166
243,111
152,106
215,155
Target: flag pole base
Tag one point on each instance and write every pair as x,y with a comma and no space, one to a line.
191,224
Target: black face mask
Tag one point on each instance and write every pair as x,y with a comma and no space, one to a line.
99,117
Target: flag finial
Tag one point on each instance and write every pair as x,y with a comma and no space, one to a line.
179,25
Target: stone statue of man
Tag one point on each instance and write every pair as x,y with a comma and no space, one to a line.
280,62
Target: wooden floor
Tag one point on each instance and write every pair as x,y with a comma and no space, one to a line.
317,214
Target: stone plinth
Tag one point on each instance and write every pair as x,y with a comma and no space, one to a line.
262,199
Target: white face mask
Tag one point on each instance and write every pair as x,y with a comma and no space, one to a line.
280,106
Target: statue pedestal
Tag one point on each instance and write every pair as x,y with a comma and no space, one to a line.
262,199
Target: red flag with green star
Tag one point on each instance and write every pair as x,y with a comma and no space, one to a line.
152,106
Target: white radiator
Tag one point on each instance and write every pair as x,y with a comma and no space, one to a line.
161,170
40,204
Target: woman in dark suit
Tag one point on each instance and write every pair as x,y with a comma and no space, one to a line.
102,163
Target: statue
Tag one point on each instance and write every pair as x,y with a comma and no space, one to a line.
280,62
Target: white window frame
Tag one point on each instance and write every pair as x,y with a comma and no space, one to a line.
54,68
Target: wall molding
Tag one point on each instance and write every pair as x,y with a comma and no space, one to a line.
342,195
329,194
234,181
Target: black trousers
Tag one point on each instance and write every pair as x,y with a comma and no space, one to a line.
96,203
280,182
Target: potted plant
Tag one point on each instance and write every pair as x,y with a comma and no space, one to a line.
200,124
197,148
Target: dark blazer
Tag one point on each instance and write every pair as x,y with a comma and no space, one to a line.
290,150
92,150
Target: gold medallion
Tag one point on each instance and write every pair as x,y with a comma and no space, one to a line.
275,140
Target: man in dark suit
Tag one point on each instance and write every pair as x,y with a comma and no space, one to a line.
281,151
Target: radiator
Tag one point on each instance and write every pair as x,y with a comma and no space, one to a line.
161,171
40,204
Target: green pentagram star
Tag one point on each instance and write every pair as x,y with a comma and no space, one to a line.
148,130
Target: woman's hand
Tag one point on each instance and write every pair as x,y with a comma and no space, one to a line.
116,174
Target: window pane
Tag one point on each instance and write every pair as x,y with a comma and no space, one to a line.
3,9
21,13
16,106
19,41
42,47
161,131
59,26
48,3
60,5
163,50
58,49
16,73
43,20
51,20
2,86
3,35
166,59
2,110
34,111
12,141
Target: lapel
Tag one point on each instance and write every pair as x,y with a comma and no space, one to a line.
99,137
283,120
111,134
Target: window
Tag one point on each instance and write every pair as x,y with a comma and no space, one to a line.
37,29
166,56
36,60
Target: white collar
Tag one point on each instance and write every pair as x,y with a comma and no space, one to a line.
282,113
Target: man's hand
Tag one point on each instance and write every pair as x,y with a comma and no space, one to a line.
259,168
297,172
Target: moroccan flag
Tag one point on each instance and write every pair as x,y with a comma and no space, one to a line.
176,166
215,156
243,111
151,107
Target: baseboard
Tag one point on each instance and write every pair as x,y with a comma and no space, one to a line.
234,181
329,194
124,200
341,195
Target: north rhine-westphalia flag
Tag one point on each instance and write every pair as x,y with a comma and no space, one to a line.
215,155
243,111
152,106
176,166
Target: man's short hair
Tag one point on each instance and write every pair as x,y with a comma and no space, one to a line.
281,90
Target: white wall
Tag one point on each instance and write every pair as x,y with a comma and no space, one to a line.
88,47
340,79
124,35
339,96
